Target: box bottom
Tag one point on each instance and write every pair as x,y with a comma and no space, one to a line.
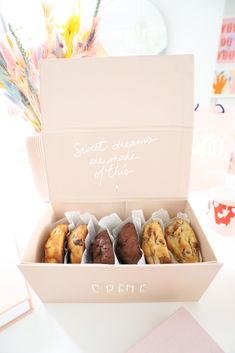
117,283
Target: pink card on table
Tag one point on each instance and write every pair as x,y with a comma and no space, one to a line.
178,334
15,300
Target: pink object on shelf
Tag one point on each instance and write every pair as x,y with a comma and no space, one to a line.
178,334
15,300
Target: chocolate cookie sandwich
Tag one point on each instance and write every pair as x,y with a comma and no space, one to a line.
102,249
127,246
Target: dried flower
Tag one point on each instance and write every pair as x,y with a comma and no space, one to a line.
19,70
70,29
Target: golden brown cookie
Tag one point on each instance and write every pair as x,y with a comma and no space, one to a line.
76,243
54,247
182,242
154,244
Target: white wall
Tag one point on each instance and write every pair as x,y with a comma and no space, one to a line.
229,9
194,27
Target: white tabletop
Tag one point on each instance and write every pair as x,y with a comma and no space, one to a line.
106,328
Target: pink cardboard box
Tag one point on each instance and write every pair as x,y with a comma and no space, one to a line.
180,333
117,136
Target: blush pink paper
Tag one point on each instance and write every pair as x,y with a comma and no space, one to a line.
179,334
14,295
112,121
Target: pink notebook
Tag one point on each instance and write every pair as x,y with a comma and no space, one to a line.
178,334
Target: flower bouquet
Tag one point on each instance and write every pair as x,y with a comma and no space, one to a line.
19,73
19,69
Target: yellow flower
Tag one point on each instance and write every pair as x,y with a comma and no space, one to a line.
71,28
85,36
1,85
9,41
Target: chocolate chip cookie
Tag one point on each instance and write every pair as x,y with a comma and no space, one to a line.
182,242
54,246
154,244
76,243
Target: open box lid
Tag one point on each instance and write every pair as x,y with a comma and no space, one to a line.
117,127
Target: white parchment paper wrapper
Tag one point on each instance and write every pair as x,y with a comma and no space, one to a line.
95,228
137,218
163,215
155,218
108,223
74,219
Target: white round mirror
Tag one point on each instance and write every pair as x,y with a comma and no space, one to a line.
132,27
